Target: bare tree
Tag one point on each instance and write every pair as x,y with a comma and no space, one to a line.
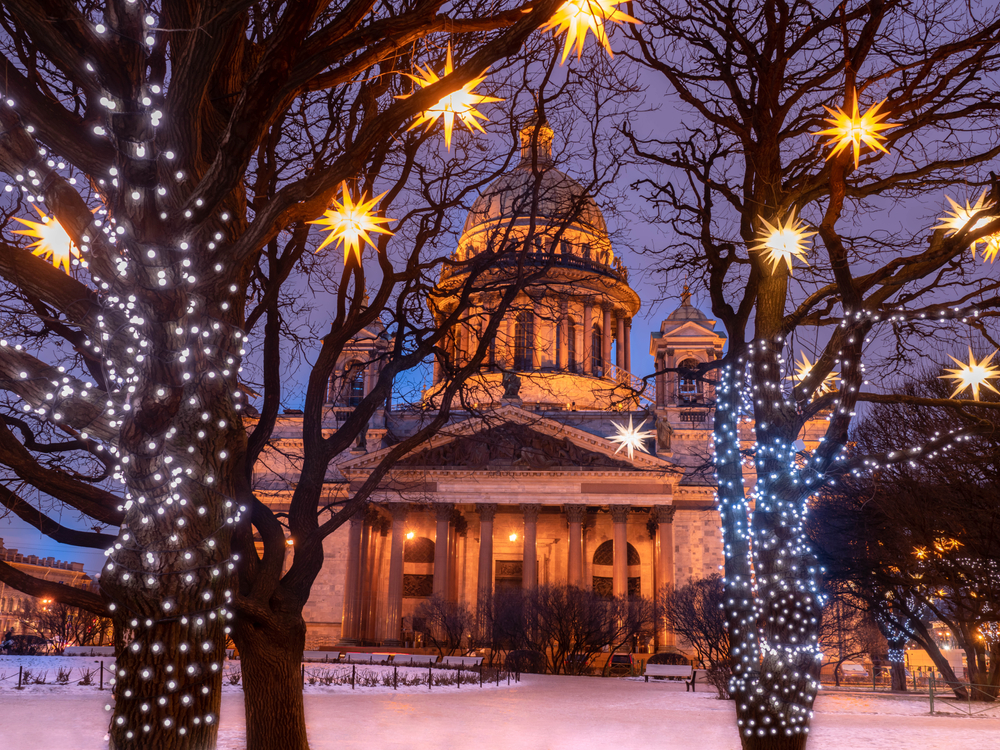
64,625
918,541
443,623
183,147
848,632
739,185
695,612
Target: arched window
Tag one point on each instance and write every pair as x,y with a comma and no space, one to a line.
596,357
688,388
524,339
418,559
604,559
357,392
571,345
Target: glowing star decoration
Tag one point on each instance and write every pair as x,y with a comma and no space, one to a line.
783,241
973,375
53,243
630,437
577,17
803,370
856,129
959,217
461,103
350,223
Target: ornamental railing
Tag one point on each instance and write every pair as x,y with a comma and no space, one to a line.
645,390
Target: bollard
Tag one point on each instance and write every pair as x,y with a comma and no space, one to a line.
303,675
353,670
930,687
395,671
460,676
102,677
429,678
20,672
480,674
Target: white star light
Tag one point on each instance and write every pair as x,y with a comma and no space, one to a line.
630,437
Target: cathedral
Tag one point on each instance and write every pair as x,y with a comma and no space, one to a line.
530,487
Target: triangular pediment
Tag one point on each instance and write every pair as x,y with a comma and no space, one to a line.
512,439
512,446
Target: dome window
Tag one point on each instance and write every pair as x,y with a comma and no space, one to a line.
524,337
596,358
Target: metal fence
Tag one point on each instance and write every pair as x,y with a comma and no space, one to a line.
357,676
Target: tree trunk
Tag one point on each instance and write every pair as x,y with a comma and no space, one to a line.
897,673
271,658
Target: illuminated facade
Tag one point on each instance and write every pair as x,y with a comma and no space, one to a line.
527,489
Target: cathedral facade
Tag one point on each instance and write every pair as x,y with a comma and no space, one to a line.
529,487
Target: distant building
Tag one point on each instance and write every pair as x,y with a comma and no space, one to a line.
13,602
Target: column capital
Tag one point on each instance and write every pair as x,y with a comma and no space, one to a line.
575,513
664,513
486,511
398,510
443,511
619,513
531,511
357,519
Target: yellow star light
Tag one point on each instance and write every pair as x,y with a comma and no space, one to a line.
630,437
577,17
53,243
856,129
783,241
461,103
973,375
803,370
349,223
959,217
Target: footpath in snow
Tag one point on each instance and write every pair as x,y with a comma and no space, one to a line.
543,712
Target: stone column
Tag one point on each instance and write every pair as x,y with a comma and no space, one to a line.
536,340
350,625
606,339
588,337
441,556
619,518
574,514
664,517
394,599
628,345
620,347
484,589
529,564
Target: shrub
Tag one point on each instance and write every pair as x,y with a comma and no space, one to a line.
62,676
234,677
88,676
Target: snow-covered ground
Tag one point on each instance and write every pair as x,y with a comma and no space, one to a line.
543,712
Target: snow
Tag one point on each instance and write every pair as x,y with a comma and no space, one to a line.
543,711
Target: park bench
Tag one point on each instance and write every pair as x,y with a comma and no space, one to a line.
414,660
461,661
89,651
323,656
670,671
698,674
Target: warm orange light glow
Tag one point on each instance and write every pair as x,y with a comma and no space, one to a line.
513,536
410,535
290,542
461,103
856,129
349,223
53,243
783,241
804,368
973,375
577,17
959,217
